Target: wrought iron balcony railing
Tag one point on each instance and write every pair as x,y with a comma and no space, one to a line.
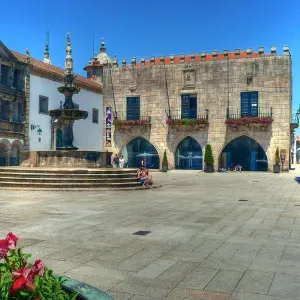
189,114
262,112
121,117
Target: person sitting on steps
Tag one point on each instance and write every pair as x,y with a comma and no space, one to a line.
144,177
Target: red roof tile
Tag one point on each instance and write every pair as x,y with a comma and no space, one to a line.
50,71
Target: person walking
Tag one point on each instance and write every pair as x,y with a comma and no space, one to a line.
121,162
116,161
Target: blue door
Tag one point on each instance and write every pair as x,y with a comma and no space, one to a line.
246,152
188,155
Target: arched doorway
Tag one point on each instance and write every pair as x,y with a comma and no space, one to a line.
59,142
3,153
140,149
246,152
188,155
15,154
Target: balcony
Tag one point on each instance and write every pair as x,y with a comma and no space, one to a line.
11,128
261,118
190,119
122,122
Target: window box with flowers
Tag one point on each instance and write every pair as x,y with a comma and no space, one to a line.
21,280
128,124
187,123
260,122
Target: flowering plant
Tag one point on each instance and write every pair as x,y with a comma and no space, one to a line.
22,280
265,121
187,122
119,123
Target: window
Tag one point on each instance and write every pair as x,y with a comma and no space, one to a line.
17,112
133,108
249,104
95,115
5,75
188,106
4,110
43,105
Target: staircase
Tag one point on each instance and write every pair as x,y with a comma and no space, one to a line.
67,179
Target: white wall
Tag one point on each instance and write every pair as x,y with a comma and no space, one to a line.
87,135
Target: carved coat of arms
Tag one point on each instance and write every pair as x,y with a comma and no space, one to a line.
189,76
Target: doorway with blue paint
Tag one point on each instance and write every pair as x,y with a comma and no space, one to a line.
188,155
246,152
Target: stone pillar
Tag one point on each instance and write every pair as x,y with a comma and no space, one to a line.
8,155
295,149
26,110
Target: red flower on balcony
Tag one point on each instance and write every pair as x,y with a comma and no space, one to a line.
124,123
187,122
264,121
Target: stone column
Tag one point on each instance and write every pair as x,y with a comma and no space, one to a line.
27,107
8,155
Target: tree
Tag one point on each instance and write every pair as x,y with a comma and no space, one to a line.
277,157
208,157
165,159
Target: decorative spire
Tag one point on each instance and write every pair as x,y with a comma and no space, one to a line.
103,47
69,59
27,58
46,53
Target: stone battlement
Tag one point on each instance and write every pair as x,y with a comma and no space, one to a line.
203,56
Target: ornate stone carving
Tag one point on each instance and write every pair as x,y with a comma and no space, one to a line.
249,78
132,86
189,76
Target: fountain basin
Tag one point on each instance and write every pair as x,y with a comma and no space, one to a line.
66,159
70,114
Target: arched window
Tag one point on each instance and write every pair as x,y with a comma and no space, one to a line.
140,151
246,152
3,152
189,155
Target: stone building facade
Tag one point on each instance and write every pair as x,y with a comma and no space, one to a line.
224,86
13,99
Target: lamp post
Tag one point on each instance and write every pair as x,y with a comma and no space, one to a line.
295,140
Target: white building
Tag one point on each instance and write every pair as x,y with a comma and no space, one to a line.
44,96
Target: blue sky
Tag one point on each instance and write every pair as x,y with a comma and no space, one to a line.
151,28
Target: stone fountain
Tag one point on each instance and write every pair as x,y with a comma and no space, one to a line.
63,118
68,114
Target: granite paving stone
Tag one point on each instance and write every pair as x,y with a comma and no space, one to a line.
255,281
204,243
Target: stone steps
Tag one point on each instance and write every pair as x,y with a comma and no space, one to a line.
67,179
67,171
68,185
75,176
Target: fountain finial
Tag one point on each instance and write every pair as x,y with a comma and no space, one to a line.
69,59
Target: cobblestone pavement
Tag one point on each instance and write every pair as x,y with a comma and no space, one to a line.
204,243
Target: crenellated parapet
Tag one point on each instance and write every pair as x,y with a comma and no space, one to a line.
203,56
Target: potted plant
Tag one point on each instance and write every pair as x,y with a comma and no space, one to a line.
276,167
21,280
209,159
165,162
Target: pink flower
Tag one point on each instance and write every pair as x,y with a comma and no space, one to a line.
7,244
18,284
38,268
11,240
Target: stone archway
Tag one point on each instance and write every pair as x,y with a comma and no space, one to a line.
4,149
189,155
15,153
139,149
245,151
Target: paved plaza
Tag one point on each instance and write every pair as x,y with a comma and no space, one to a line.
204,242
